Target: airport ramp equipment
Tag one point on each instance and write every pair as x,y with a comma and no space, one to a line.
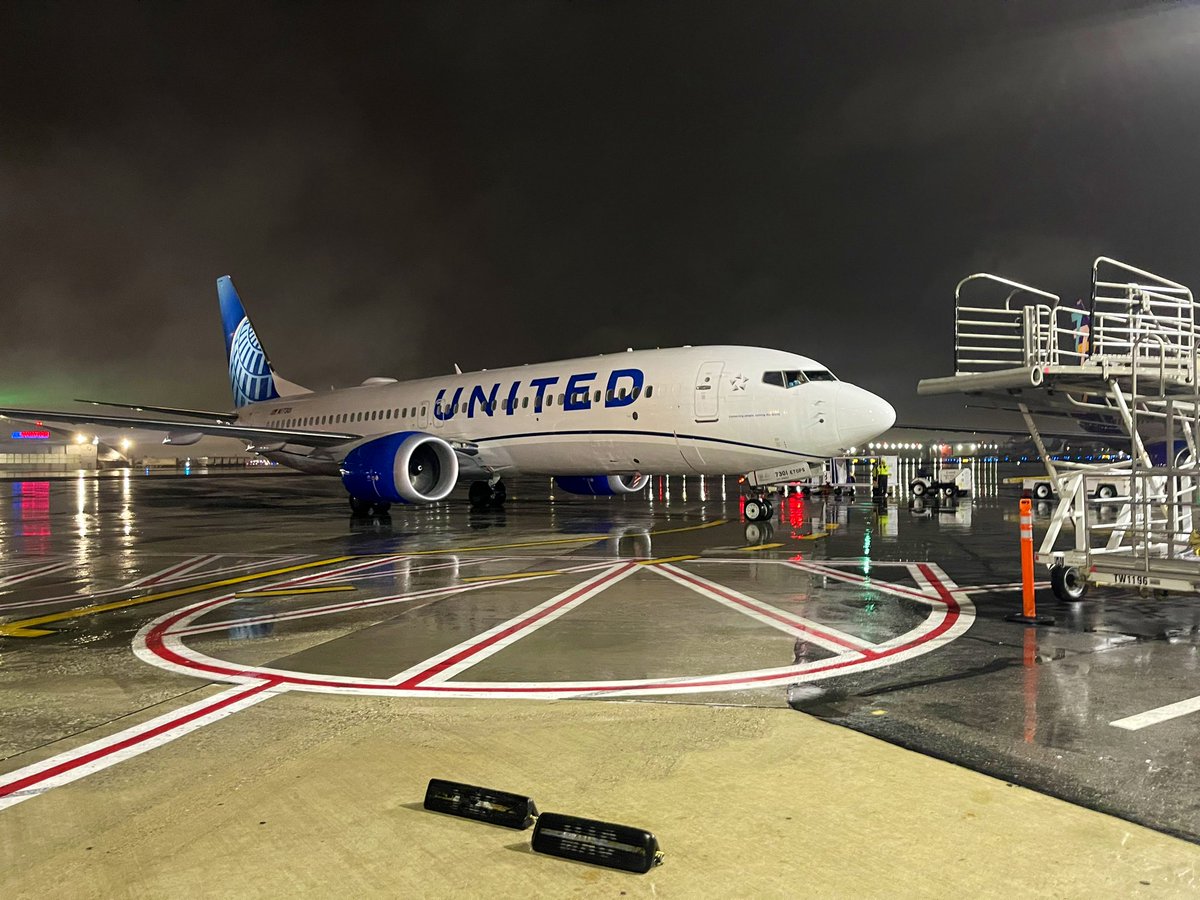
1122,363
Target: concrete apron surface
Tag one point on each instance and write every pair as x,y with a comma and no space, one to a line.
310,795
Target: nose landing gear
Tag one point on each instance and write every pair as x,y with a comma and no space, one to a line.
758,509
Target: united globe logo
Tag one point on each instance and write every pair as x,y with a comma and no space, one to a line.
249,373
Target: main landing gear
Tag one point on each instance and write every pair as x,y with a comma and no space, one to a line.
360,506
758,509
486,494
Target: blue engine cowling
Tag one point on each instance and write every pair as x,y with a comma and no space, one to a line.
407,467
602,485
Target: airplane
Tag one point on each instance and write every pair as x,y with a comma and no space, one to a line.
600,425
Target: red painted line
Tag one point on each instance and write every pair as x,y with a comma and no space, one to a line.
864,580
154,642
778,617
13,787
515,628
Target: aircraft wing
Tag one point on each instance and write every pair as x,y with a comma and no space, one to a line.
217,429
210,415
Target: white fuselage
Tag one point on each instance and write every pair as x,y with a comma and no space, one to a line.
692,410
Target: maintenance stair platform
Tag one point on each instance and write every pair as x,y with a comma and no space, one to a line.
1122,363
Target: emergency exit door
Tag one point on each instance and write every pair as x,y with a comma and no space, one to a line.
708,390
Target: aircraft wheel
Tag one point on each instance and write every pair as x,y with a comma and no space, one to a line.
759,532
481,494
1042,491
770,509
755,510
499,494
918,488
1106,491
1068,583
948,491
359,506
381,509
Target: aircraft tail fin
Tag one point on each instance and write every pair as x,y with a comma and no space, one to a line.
251,376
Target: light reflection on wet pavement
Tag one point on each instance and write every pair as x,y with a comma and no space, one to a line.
1028,705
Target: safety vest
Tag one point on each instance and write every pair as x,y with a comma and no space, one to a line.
883,468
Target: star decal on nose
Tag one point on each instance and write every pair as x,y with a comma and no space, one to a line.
738,382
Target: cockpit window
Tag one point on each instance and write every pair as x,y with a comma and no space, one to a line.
794,377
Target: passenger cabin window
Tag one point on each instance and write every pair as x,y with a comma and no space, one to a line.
649,392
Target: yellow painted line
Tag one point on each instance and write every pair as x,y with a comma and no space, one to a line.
813,537
665,559
758,547
27,628
588,539
287,592
832,526
513,575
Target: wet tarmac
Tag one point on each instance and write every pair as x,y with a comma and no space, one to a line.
193,598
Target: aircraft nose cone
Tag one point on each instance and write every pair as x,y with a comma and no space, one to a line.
862,416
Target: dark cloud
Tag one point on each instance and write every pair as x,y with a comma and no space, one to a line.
398,187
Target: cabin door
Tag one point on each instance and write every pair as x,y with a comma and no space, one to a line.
708,390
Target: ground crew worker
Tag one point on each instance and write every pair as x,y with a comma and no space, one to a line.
881,477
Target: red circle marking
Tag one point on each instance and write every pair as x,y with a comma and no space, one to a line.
154,640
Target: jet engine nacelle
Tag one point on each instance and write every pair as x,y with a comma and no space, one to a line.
408,467
602,485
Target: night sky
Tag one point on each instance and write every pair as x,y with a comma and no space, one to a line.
399,187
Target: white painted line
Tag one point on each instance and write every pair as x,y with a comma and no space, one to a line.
290,615
34,780
1159,714
476,649
277,562
995,588
921,595
30,574
951,615
825,636
334,574
178,570
306,612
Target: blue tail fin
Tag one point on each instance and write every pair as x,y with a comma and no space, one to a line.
250,374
